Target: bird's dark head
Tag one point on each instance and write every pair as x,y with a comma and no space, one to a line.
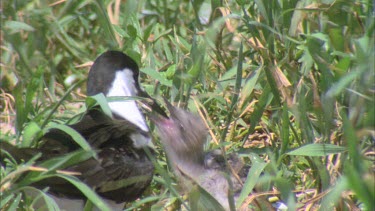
109,66
116,75
183,134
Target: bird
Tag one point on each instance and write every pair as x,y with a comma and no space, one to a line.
121,140
183,135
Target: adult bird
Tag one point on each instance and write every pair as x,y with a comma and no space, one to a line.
183,136
122,170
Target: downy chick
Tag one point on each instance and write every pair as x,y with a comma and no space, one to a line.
183,136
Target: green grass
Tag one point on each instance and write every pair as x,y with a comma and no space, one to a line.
289,85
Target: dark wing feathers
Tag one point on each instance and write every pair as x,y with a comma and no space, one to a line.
121,173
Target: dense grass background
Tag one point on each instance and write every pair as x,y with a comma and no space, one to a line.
287,84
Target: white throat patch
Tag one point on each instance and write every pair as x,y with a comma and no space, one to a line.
124,85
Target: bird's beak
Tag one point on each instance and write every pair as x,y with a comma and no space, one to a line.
156,107
172,110
152,104
160,121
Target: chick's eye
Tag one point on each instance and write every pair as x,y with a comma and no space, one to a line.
181,127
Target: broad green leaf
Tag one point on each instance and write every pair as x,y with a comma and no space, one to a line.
284,129
170,71
331,199
77,137
132,31
343,66
337,38
149,199
256,169
162,35
17,26
21,114
29,132
120,31
87,191
56,163
338,87
317,150
5,200
200,199
15,203
101,100
157,76
362,187
41,195
229,74
250,82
